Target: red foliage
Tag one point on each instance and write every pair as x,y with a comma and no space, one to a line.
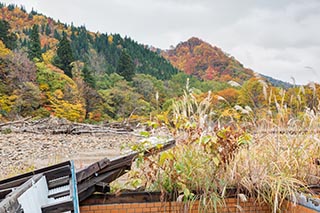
198,58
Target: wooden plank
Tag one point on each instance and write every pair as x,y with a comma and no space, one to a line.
57,172
128,159
84,194
11,204
92,169
95,180
74,189
102,187
111,176
87,188
124,197
60,194
58,182
119,162
58,207
104,162
14,183
18,180
5,192
111,171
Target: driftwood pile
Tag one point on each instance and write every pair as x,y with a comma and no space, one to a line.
54,125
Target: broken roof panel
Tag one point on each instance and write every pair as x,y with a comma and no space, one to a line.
58,188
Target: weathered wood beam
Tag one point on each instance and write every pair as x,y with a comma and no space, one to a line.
92,169
90,179
60,194
123,197
18,180
14,183
57,172
102,187
5,192
83,194
87,188
128,159
58,207
58,182
10,204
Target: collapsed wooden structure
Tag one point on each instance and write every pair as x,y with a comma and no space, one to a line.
59,188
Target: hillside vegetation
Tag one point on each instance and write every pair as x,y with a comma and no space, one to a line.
198,58
52,69
238,133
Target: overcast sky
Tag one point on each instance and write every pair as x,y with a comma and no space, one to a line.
279,38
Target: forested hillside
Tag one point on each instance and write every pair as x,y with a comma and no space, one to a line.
69,69
48,68
198,58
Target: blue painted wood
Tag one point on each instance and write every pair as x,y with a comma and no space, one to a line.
75,190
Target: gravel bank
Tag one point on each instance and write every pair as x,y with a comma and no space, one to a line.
21,152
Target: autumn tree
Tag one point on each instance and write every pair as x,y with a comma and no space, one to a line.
150,88
125,66
93,103
230,95
22,69
28,99
34,50
64,56
252,93
121,101
3,50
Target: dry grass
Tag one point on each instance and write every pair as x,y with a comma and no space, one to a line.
273,160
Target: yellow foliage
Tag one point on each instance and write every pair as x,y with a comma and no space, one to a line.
110,39
39,19
44,87
72,112
58,94
7,102
13,98
3,50
77,66
48,56
64,109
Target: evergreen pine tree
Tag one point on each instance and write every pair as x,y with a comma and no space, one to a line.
34,50
9,39
64,55
126,67
88,77
48,30
11,7
56,35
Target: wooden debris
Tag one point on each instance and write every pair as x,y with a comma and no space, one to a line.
62,182
54,125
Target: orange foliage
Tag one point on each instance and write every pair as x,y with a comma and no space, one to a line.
230,94
226,78
20,20
198,58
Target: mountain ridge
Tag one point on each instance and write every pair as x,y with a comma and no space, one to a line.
207,62
201,59
99,76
